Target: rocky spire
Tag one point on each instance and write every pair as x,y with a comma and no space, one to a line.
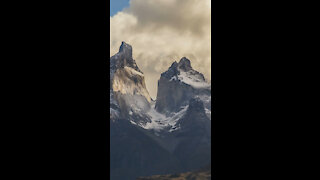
184,64
126,49
123,58
178,85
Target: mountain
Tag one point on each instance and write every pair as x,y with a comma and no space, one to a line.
178,85
171,134
129,96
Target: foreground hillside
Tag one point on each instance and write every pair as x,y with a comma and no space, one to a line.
204,174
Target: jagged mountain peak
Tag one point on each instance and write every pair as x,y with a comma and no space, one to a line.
183,72
178,84
175,68
184,64
174,65
124,58
125,49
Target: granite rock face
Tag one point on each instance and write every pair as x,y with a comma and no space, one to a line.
171,134
178,85
123,58
128,91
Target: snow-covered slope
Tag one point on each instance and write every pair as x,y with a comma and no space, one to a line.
160,122
193,80
189,76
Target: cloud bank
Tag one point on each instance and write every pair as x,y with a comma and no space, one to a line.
163,31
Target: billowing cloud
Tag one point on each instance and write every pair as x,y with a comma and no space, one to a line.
163,31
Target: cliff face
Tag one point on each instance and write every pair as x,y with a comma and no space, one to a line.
128,90
178,85
169,135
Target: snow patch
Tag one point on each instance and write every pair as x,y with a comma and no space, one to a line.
208,113
132,122
193,80
160,121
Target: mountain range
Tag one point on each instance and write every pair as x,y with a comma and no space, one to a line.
171,134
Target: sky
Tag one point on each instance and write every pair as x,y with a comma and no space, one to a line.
161,32
117,5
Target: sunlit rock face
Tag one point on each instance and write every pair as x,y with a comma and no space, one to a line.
128,85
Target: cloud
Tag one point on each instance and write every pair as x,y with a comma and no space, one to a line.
163,31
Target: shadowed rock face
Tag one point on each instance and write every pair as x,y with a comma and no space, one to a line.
185,64
174,92
195,115
171,96
126,49
194,137
133,153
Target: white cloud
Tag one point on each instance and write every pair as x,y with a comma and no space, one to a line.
163,31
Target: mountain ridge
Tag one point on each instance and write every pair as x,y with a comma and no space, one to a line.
179,133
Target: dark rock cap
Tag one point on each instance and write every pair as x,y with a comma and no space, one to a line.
185,64
123,58
126,49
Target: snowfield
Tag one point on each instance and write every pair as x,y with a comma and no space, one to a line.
193,80
160,121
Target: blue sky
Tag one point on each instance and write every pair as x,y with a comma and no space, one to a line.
117,5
